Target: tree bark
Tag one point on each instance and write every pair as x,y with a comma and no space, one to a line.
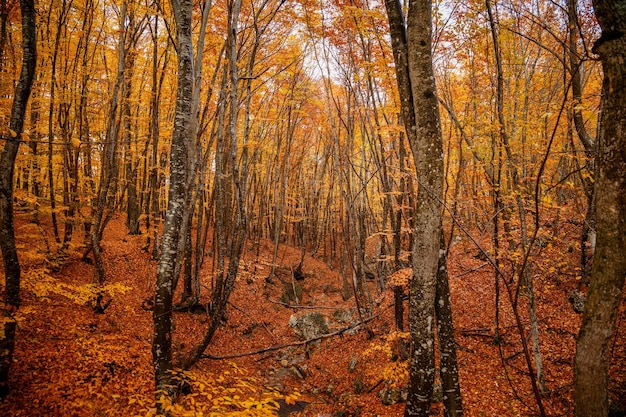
428,157
181,137
109,169
609,265
420,112
226,277
453,405
7,162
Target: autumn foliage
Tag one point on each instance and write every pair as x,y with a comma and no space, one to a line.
297,146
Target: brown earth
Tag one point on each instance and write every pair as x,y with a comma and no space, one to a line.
71,362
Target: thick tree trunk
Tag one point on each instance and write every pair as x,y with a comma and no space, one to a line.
7,162
420,112
609,265
428,157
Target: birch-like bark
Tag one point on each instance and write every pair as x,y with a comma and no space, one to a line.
179,154
226,279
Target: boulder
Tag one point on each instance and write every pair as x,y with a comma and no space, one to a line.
393,395
343,316
577,299
309,325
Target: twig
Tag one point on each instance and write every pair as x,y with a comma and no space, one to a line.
469,271
300,343
247,315
301,307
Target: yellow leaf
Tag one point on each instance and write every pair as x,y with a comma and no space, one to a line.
76,142
13,133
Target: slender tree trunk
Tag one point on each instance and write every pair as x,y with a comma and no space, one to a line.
60,26
157,161
181,137
108,172
7,162
83,118
239,224
449,371
130,172
512,163
609,265
589,144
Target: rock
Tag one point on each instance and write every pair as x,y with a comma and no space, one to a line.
285,409
353,362
352,331
394,395
577,300
298,371
309,325
343,316
358,385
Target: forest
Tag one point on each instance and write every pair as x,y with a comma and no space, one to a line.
323,208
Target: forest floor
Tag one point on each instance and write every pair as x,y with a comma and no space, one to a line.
71,362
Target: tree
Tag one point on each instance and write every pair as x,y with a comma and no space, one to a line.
609,265
7,162
109,168
179,159
419,104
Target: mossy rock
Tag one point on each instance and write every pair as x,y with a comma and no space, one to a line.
309,325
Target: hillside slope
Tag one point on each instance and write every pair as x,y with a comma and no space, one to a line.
72,362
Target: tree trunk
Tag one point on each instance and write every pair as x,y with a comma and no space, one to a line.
513,163
7,161
449,370
53,81
226,278
416,82
609,265
428,157
108,172
181,136
415,78
130,172
575,64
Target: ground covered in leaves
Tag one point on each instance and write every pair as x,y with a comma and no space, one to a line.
71,362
